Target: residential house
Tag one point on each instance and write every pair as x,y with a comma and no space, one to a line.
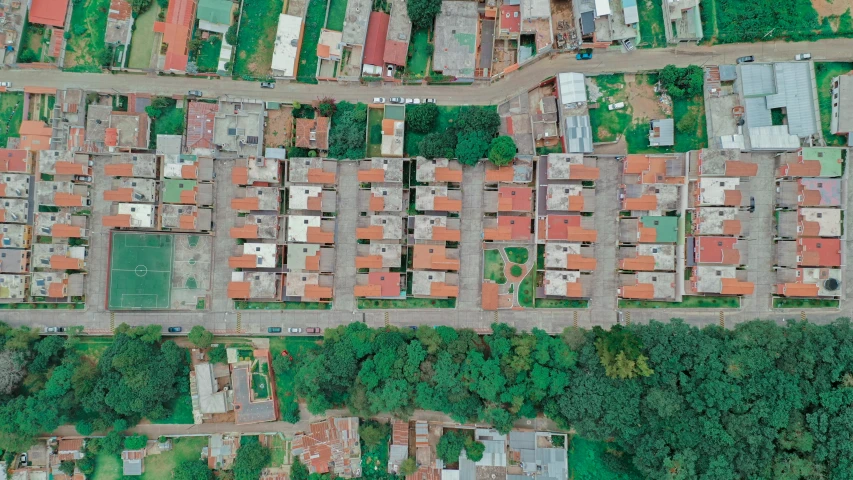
176,30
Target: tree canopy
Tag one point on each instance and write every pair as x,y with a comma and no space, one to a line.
200,337
252,457
421,118
193,470
682,82
422,13
346,139
502,150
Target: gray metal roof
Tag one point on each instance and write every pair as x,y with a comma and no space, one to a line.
587,22
467,468
728,73
666,133
132,467
757,79
795,93
757,114
522,440
578,134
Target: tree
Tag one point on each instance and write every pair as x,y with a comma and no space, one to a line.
135,442
200,337
422,13
372,433
67,467
231,35
474,450
12,371
192,470
298,471
438,145
450,446
421,118
502,150
218,354
27,56
346,139
251,459
291,412
484,119
86,465
471,147
620,353
682,82
84,428
195,44
687,123
112,443
106,57
326,107
408,467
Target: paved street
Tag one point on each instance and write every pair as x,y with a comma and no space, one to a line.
521,80
345,243
471,249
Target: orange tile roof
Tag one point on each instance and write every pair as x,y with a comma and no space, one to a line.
61,262
819,252
312,262
644,202
57,290
372,175
187,222
732,227
501,174
13,160
121,220
797,289
639,291
579,262
34,127
445,174
441,289
2,189
808,168
323,50
189,196
318,175
240,175
444,204
111,137
119,195
737,168
246,203
733,286
239,289
189,171
176,33
63,199
119,170
810,229
246,231
317,235
368,290
71,168
243,261
576,203
388,126
647,234
514,199
48,12
641,263
316,292
376,204
490,296
582,172
61,230
433,257
373,232
370,261
733,198
574,289
446,234
35,135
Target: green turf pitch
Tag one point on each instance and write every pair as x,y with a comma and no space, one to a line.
140,271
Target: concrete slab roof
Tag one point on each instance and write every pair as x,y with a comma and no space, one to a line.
381,170
647,257
648,286
435,227
455,35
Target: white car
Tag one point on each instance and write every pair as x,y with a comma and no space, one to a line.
410,101
5,84
294,330
378,99
803,56
417,101
616,106
396,100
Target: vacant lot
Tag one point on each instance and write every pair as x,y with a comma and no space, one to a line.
158,467
824,72
590,460
107,467
256,40
11,115
142,41
337,14
652,33
374,132
420,52
84,49
279,127
314,20
208,55
446,117
297,347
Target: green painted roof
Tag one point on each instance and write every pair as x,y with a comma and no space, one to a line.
829,158
666,227
172,189
215,11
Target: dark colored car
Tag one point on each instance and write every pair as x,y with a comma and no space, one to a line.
274,330
746,59
195,93
175,329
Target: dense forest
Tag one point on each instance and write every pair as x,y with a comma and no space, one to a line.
758,401
48,381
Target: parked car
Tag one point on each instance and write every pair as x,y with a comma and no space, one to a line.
294,330
267,84
628,45
378,99
312,330
746,59
584,54
429,100
410,101
51,329
195,93
23,460
803,56
417,101
5,84
616,106
396,100
620,317
175,329
274,330
389,72
751,204
83,178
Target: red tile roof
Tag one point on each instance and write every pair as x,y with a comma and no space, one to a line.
797,289
176,33
490,296
396,52
56,37
120,9
717,250
510,18
374,45
48,12
388,282
819,252
515,199
200,117
13,160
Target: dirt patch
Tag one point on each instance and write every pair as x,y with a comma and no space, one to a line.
279,127
827,8
642,98
561,10
618,148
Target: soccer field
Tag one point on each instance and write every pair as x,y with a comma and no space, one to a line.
141,271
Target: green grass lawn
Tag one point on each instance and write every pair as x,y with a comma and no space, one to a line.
32,38
587,462
92,347
527,290
184,449
517,254
256,40
260,386
691,301
824,72
652,29
558,148
493,266
419,55
171,123
11,115
374,132
208,56
182,412
374,460
561,303
337,15
297,347
781,302
241,305
107,467
409,303
686,141
83,51
446,116
314,19
279,451
142,40
606,124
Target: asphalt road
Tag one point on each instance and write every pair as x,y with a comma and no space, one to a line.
514,83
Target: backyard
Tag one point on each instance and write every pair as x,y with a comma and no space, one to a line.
260,386
11,115
781,302
33,38
86,46
142,41
420,51
691,301
652,29
337,15
162,466
107,467
824,72
374,131
314,18
256,39
208,55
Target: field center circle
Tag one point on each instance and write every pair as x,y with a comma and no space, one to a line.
141,270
